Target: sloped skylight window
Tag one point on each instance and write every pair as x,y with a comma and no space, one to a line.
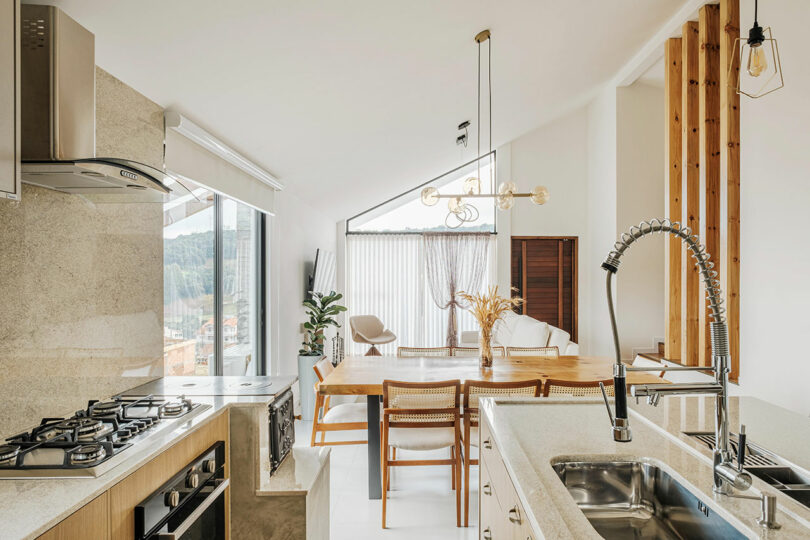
406,213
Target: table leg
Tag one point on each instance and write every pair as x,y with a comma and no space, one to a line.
374,478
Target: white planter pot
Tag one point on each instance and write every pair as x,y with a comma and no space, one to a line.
306,384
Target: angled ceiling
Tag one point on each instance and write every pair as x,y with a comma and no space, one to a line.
352,102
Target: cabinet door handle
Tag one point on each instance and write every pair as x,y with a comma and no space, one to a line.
486,534
514,515
487,489
488,444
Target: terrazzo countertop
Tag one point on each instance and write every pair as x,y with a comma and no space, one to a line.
532,434
28,508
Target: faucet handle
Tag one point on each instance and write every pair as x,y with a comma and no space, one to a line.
607,404
741,440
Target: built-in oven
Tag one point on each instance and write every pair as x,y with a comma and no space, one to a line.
282,428
191,505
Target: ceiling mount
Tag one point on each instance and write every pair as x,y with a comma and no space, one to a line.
482,36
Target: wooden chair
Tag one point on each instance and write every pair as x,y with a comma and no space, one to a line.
498,352
341,417
548,352
558,387
473,390
421,417
422,351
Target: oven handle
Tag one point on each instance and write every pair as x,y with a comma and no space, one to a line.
222,485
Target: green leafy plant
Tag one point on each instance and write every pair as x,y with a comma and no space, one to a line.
321,310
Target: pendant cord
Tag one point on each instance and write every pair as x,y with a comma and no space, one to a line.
478,127
756,9
489,76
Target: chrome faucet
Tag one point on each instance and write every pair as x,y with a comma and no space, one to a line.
726,476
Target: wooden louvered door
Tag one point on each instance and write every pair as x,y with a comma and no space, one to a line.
544,273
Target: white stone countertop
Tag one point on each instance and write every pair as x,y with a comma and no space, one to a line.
28,508
532,434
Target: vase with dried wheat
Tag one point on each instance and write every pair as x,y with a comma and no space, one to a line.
488,308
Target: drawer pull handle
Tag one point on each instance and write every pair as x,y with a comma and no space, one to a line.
514,515
487,489
487,534
488,444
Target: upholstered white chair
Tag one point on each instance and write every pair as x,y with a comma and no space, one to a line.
548,352
423,351
421,417
340,416
370,329
556,387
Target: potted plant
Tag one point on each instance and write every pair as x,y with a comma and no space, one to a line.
321,310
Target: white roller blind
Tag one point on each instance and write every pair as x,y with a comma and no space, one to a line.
187,158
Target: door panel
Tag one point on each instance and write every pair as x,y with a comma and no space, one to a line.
544,271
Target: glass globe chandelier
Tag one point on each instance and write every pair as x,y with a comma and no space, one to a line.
460,209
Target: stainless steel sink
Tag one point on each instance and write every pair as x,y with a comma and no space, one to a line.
633,499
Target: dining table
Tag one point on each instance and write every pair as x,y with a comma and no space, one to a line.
364,376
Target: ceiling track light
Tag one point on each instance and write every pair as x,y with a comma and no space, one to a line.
461,211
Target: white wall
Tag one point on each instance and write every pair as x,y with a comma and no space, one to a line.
775,191
601,160
640,167
296,231
554,156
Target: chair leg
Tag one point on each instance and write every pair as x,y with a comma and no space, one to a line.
457,471
315,420
384,454
453,468
467,481
394,452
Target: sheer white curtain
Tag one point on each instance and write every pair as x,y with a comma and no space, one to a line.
386,277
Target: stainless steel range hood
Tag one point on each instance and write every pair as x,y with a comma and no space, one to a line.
59,115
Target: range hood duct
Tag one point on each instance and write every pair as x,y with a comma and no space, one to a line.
58,105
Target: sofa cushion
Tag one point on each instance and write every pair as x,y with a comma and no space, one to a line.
571,350
503,327
559,338
528,332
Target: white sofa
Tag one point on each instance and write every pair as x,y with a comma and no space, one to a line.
513,330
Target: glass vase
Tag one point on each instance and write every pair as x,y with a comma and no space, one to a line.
485,348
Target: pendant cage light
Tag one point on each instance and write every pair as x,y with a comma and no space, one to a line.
758,64
460,210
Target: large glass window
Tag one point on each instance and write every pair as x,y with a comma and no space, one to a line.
212,272
240,309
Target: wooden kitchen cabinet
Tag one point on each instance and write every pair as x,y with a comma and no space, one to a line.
91,521
501,515
10,99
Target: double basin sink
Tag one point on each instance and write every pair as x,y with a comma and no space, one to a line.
635,499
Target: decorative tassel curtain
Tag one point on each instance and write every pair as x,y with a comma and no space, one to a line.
454,262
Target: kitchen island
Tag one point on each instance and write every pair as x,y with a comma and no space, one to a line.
520,487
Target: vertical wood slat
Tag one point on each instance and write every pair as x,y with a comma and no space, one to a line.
560,283
730,172
674,259
691,183
524,269
709,107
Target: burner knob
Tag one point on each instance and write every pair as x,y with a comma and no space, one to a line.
192,480
172,498
209,465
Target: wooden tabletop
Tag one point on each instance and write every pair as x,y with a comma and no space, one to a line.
364,375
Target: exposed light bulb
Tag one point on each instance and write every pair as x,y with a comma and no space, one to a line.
455,205
472,186
540,195
757,62
430,196
505,201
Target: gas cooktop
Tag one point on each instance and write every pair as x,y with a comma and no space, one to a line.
93,440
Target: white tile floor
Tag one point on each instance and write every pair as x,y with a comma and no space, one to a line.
421,504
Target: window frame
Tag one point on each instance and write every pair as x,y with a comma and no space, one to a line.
493,165
259,246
